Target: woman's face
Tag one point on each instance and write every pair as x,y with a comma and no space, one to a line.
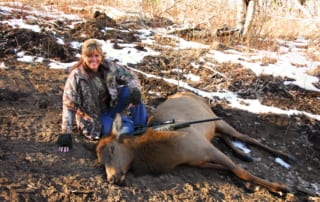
93,60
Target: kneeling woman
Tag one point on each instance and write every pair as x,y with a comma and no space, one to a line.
95,90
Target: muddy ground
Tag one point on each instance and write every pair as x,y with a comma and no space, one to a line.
32,169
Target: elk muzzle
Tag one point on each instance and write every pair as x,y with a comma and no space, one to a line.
114,177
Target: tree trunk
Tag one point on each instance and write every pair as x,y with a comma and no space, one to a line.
245,15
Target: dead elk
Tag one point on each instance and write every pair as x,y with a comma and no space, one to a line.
161,151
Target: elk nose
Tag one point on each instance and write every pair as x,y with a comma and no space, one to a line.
112,179
122,178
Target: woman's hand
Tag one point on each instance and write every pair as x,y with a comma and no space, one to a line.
135,96
64,142
63,149
130,105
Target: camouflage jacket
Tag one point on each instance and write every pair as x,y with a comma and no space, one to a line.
81,96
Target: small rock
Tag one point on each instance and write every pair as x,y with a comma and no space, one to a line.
290,197
313,199
3,66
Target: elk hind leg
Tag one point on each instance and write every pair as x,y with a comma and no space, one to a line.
242,155
226,129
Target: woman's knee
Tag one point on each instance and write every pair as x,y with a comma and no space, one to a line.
106,125
124,92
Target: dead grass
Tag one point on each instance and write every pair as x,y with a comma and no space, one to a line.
272,20
313,50
315,72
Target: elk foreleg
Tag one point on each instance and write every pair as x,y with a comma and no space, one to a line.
211,165
226,163
272,186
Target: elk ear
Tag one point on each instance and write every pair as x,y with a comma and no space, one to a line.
117,126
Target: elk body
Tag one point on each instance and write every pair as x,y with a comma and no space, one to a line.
161,151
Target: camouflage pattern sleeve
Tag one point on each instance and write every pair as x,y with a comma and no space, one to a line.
118,76
67,120
70,101
127,77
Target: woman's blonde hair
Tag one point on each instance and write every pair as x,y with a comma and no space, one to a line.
89,46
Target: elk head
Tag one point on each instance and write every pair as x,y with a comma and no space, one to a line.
114,154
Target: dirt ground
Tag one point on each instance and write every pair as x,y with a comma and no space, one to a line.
32,169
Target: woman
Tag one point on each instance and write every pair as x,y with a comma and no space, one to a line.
95,90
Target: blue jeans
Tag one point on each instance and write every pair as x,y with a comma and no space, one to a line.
138,114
